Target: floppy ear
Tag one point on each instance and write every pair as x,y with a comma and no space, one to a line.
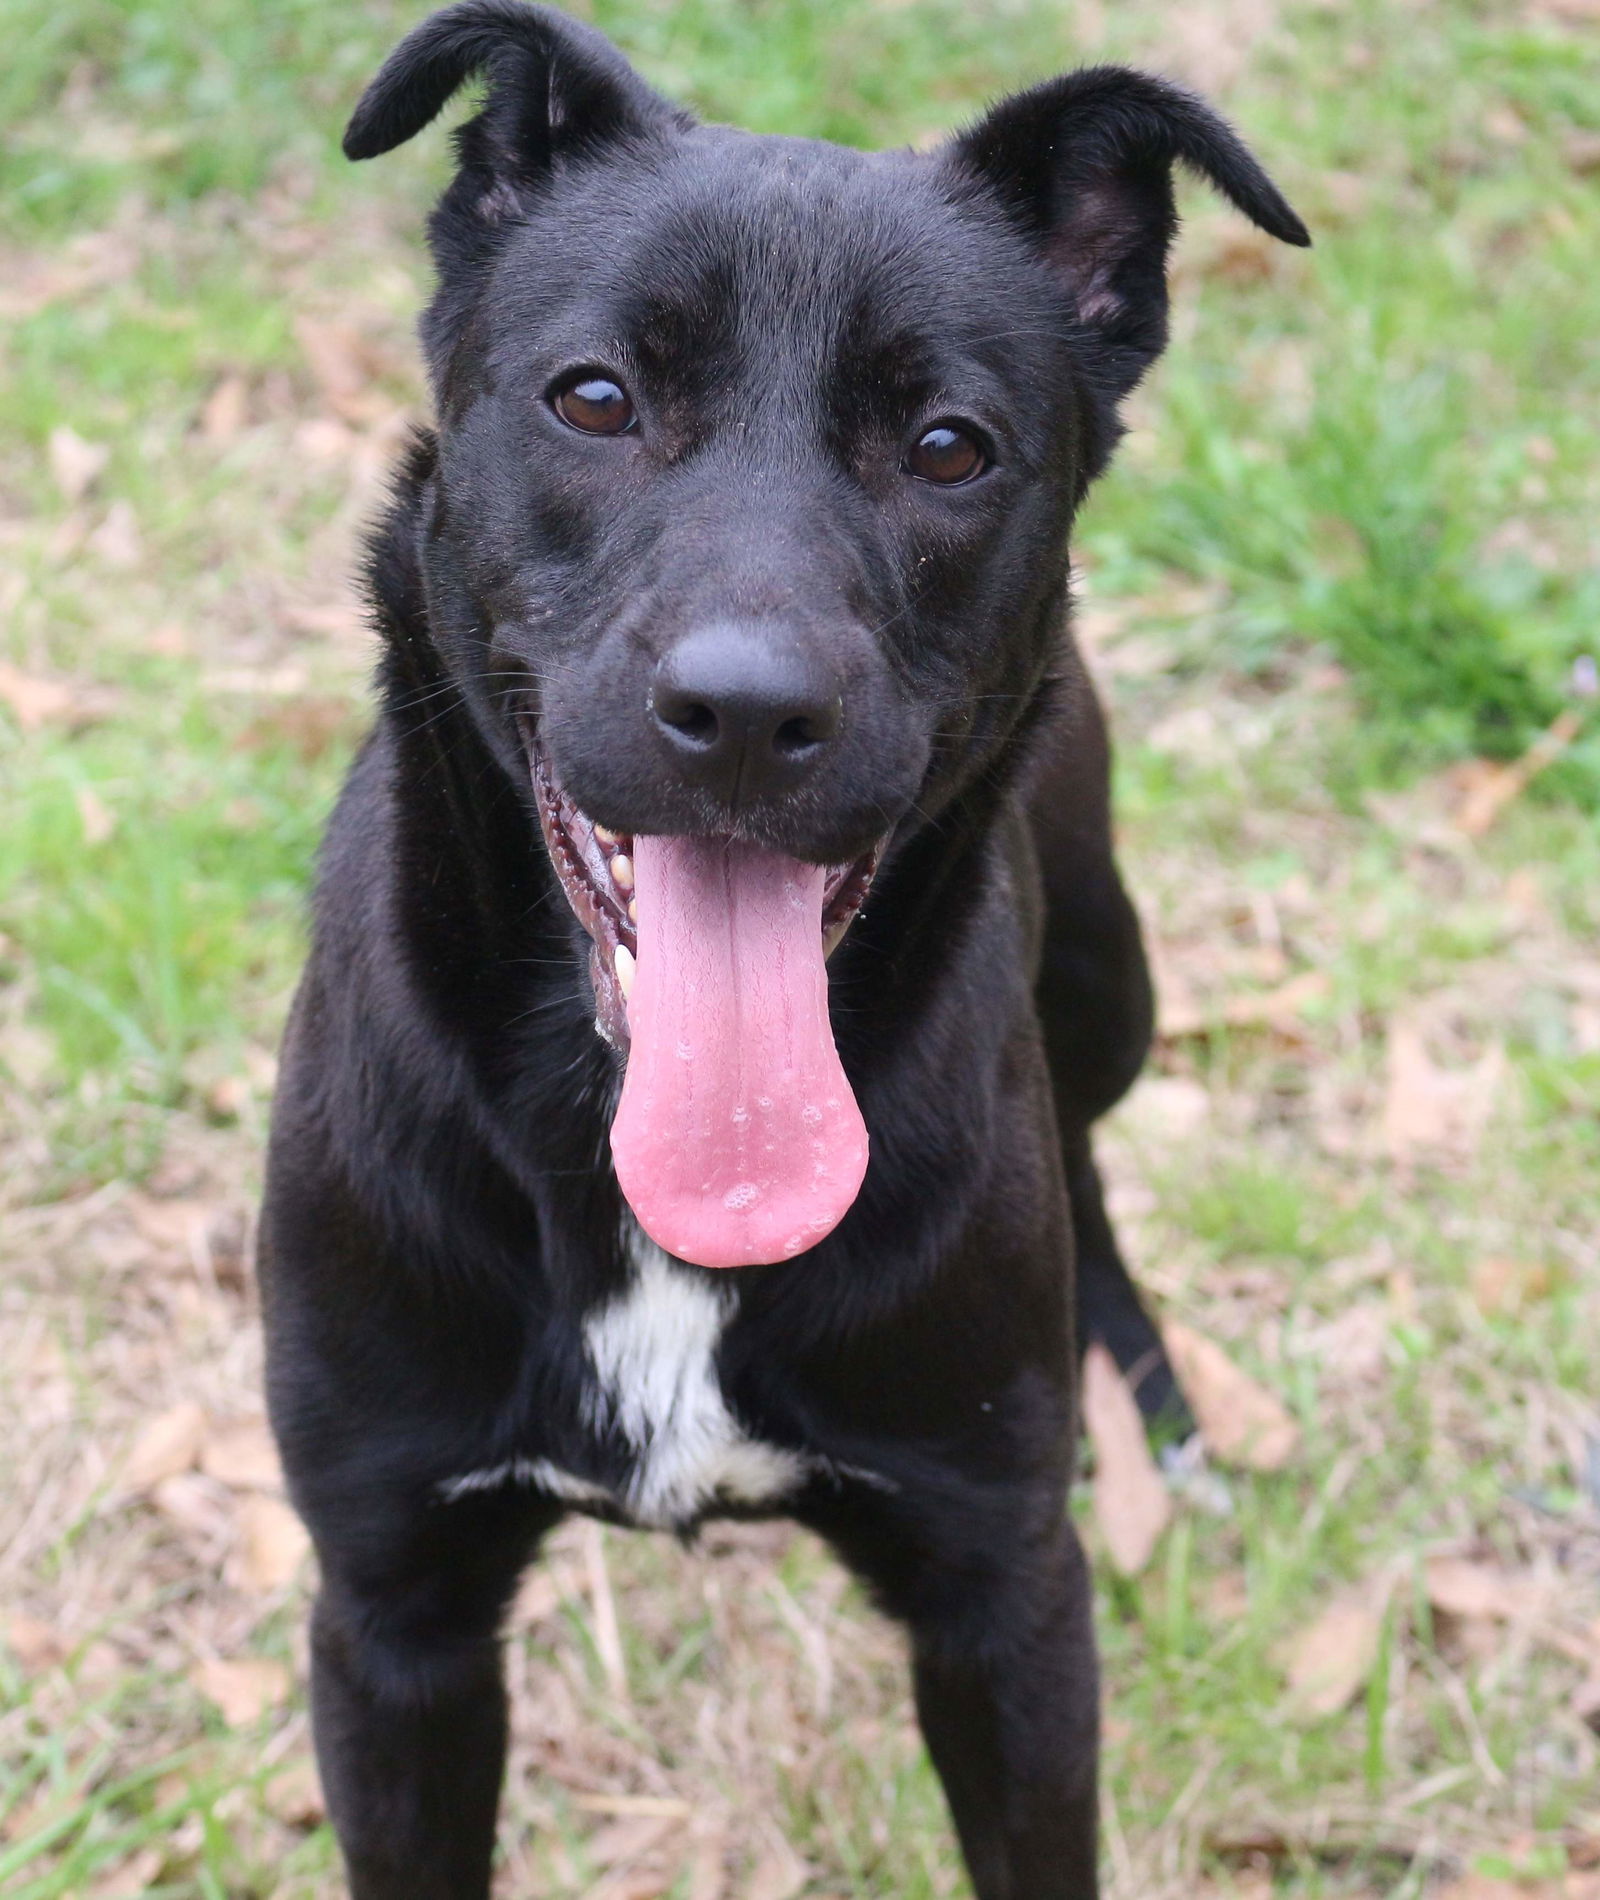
1084,165
557,88
557,92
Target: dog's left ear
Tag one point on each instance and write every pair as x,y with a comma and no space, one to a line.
1084,165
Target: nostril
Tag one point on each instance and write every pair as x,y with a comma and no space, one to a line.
693,719
686,715
797,735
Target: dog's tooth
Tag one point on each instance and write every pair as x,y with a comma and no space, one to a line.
605,837
622,871
622,962
633,910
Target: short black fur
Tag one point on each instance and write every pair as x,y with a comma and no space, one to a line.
441,1218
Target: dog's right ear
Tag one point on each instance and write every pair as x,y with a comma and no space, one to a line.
556,89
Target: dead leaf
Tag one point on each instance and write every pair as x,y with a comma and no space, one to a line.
175,1227
228,1097
334,353
308,727
641,1883
76,464
133,1878
199,1508
170,641
1492,1887
1497,786
1502,1287
271,1546
1192,732
1280,1009
295,1797
261,1065
322,439
344,364
277,682
242,1691
1243,255
1460,1587
1586,1701
1505,125
243,1457
1227,1596
1524,899
1131,1503
1241,1422
35,1643
35,702
1346,195
1328,1663
226,410
167,1445
1583,1849
98,821
117,540
536,1601
708,1870
778,1875
88,262
1581,152
1171,1107
1257,1840
342,620
631,1838
1354,1346
29,1053
1430,1108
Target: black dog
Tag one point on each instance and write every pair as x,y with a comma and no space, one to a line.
732,583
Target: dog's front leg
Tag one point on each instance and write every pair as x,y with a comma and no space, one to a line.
411,1764
1007,1695
1006,1682
408,1700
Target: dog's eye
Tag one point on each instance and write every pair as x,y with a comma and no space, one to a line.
947,454
594,404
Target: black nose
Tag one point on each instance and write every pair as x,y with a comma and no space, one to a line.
746,711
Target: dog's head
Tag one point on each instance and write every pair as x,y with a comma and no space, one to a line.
756,462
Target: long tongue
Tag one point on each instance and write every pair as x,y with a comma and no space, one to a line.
737,1139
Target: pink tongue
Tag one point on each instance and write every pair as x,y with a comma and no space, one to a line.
737,1139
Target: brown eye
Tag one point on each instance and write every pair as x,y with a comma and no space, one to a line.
595,405
947,454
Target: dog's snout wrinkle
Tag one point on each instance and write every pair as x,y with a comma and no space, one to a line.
746,711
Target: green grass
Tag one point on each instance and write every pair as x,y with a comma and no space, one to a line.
1378,454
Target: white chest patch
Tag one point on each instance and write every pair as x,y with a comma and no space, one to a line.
653,1354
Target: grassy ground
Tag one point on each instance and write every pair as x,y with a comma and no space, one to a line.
1347,556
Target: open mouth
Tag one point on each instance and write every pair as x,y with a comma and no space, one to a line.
596,869
737,1139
